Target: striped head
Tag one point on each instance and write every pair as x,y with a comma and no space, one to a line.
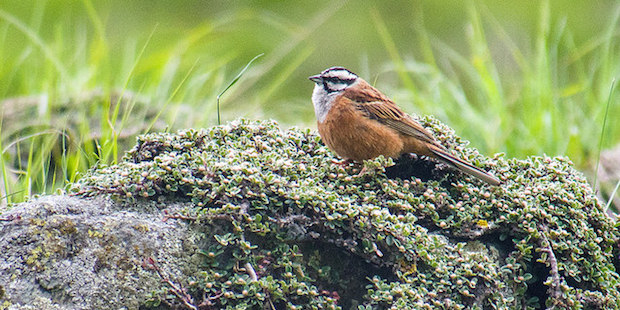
328,85
334,79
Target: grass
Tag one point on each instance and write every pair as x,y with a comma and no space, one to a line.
554,103
79,87
233,82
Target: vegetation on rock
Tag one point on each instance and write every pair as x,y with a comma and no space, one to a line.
285,228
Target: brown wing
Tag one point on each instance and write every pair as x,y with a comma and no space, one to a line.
379,107
391,115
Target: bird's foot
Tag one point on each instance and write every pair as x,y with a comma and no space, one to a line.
345,162
342,163
363,171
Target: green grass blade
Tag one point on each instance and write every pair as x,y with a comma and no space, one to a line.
3,168
233,82
176,90
600,142
283,75
37,40
392,50
611,197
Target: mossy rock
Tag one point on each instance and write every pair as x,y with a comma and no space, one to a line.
284,228
66,253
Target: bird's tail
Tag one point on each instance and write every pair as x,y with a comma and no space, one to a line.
464,166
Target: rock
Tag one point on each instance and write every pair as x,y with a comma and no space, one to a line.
61,252
249,216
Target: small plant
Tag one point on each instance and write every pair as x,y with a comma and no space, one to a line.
287,228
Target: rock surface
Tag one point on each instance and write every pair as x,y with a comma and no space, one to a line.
61,252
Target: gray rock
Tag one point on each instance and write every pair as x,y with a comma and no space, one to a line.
60,252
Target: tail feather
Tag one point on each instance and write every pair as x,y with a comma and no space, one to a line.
464,166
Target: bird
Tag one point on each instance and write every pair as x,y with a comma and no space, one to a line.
358,122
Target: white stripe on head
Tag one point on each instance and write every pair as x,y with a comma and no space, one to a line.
338,73
337,79
329,84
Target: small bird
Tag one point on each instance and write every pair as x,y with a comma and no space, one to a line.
358,122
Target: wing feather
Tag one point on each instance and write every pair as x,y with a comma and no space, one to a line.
392,116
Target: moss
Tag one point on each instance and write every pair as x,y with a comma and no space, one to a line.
5,305
54,244
288,229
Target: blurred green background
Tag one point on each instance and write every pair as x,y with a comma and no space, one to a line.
79,79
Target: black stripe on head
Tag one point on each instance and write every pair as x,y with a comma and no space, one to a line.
337,79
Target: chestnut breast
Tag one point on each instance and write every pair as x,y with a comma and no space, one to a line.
352,135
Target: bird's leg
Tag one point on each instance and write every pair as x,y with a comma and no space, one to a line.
363,171
346,162
343,162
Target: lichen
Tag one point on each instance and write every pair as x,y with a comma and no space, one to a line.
60,252
286,228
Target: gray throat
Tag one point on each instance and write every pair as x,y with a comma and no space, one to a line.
322,101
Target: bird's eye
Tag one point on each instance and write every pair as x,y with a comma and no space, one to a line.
336,80
332,84
332,79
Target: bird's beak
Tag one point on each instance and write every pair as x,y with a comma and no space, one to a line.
315,78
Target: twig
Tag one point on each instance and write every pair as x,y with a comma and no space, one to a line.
177,290
177,216
208,301
251,272
10,218
555,289
271,304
